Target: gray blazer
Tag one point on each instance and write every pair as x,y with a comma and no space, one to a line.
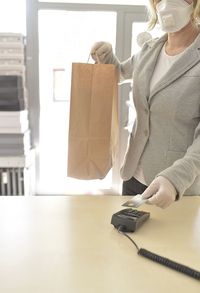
166,134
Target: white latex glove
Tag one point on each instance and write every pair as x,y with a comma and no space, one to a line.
161,192
101,52
142,38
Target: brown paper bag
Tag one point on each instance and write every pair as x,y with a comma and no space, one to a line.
93,124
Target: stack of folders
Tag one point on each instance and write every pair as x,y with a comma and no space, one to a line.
12,54
12,72
15,143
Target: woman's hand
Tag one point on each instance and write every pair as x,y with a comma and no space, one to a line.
161,192
101,51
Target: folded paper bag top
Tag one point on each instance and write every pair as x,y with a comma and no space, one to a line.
93,122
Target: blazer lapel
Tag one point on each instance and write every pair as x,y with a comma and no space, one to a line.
146,68
186,61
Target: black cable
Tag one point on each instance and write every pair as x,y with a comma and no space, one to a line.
120,231
163,260
170,263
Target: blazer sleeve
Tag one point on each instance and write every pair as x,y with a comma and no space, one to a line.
184,171
125,68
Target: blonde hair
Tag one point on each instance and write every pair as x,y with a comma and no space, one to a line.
153,16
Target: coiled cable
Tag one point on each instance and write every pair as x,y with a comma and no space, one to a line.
163,260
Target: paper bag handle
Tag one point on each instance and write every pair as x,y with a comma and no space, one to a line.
97,59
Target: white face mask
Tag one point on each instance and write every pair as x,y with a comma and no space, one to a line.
173,15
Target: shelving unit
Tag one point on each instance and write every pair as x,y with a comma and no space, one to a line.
16,155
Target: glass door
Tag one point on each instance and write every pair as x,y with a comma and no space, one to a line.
57,35
65,37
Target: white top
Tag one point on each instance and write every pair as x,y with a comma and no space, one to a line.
163,64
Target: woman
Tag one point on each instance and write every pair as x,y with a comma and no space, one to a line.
164,147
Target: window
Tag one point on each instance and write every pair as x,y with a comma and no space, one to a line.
13,16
